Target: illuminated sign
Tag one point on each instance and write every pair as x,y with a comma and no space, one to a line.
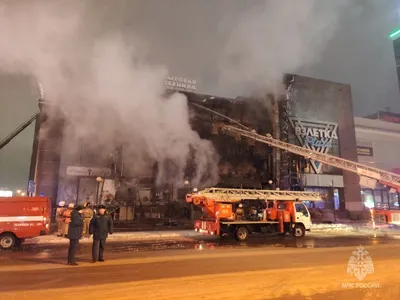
180,84
365,151
315,135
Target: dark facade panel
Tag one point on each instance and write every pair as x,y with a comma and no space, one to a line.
323,101
396,48
48,152
242,163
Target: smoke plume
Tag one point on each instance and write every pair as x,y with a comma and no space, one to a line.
273,38
103,84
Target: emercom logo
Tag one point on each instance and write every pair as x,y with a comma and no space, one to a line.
360,265
315,135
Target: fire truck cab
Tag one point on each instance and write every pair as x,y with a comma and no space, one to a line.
238,213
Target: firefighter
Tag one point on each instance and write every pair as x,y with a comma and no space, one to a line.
87,214
60,218
74,234
239,212
100,226
67,218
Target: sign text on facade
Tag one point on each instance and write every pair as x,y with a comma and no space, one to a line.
365,151
315,135
180,83
87,171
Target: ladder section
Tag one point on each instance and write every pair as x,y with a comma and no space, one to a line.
17,131
388,178
235,195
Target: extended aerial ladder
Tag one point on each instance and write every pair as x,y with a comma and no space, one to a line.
387,178
17,131
5,141
229,195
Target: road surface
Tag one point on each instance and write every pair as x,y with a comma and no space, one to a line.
205,269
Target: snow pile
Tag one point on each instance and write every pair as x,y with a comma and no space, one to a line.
354,227
333,228
119,237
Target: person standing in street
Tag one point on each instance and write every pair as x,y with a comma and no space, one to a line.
87,214
60,218
67,218
100,226
74,234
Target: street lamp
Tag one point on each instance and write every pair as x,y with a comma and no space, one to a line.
22,194
19,191
99,180
271,184
187,187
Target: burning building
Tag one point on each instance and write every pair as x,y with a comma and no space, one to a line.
313,113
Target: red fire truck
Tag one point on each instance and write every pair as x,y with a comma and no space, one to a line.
23,217
239,212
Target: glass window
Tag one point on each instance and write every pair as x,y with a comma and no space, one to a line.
394,201
377,196
378,199
368,197
301,209
385,196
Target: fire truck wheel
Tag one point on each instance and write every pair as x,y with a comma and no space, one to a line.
299,231
241,233
7,241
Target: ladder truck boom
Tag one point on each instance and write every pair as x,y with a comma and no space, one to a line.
229,195
384,177
17,131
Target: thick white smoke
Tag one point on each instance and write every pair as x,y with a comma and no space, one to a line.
275,37
103,84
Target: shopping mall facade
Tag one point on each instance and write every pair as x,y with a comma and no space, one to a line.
313,113
378,144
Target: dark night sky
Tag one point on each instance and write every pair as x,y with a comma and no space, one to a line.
358,53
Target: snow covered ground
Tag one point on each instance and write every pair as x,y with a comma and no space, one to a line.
120,236
355,227
331,229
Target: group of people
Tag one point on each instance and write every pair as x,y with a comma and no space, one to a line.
63,218
78,222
